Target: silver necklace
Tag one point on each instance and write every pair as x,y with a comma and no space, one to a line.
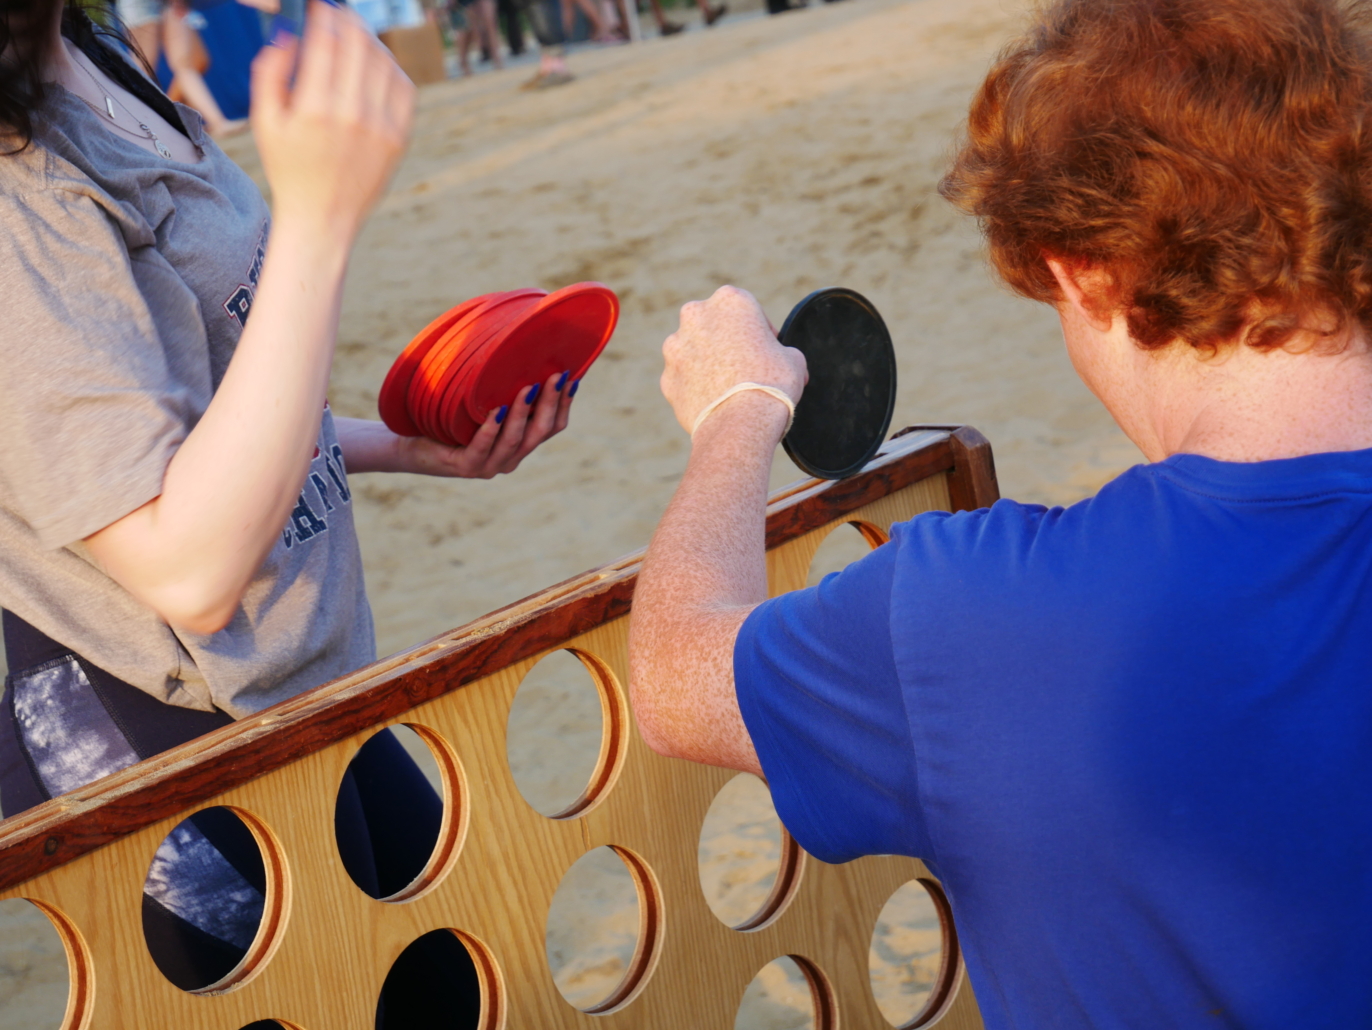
109,111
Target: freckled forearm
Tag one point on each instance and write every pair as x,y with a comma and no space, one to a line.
709,547
704,572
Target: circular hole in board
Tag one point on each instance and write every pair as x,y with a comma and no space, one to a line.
564,737
913,962
603,929
269,1024
788,993
844,545
398,817
444,980
749,865
44,969
214,900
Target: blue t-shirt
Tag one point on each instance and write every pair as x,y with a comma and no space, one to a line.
1132,737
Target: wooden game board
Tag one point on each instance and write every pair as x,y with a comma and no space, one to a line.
324,947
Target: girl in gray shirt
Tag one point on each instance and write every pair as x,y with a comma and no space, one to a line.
176,537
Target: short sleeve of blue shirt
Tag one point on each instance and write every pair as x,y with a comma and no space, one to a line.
817,685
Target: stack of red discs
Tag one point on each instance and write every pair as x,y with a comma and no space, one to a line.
477,357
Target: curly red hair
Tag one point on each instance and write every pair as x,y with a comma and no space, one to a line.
1212,157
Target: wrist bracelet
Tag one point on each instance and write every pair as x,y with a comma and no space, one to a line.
771,391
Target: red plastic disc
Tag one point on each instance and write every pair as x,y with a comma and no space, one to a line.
565,331
446,356
454,421
424,395
391,403
429,368
480,354
432,369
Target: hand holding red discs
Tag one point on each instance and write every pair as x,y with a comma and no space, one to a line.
498,447
517,354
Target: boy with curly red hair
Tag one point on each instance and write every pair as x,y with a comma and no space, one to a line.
1133,737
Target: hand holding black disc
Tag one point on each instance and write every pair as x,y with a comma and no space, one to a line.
846,408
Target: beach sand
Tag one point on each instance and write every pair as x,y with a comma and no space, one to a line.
780,154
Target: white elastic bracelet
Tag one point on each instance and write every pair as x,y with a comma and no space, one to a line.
771,391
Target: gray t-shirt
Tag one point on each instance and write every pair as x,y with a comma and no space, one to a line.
126,280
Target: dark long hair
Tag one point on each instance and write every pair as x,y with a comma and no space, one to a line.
24,28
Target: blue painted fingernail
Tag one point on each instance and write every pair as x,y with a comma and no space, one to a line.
572,391
563,381
500,415
533,393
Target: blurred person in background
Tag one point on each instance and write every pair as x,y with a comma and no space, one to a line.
189,60
478,25
143,22
600,31
552,62
708,15
159,28
507,12
665,26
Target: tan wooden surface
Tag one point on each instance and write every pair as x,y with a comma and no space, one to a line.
418,50
498,865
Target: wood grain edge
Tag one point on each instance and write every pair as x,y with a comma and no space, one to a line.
973,482
73,824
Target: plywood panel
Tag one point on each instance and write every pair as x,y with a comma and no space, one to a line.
325,966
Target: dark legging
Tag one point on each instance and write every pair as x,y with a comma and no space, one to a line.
548,34
508,11
386,820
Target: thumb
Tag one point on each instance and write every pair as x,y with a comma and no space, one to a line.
271,79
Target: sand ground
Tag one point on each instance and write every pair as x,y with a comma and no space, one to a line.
780,154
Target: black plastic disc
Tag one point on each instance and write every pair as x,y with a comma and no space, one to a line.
845,411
